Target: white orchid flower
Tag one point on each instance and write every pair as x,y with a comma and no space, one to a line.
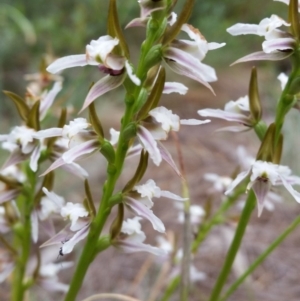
235,111
99,53
278,44
134,238
140,202
163,121
184,56
264,175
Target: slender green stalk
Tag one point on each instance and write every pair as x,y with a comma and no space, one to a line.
170,289
244,219
90,249
262,257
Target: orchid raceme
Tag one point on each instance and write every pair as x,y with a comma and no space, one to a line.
140,202
132,239
184,56
264,175
235,111
99,53
278,44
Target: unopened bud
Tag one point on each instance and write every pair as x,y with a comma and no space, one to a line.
254,100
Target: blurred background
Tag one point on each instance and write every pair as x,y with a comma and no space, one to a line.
33,30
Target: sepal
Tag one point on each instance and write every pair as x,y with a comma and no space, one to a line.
254,100
116,226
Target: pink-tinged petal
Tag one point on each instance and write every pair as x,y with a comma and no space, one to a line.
193,121
262,56
15,157
240,177
174,87
242,29
278,44
76,169
59,237
57,163
214,45
141,210
48,227
49,98
34,158
198,69
34,226
134,151
137,22
58,200
295,194
68,246
168,158
52,285
261,190
229,116
234,129
173,196
48,133
131,247
70,61
104,85
149,144
80,150
8,195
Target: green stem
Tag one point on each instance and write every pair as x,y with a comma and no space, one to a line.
262,257
90,249
244,219
170,289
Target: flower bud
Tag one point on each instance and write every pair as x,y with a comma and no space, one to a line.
266,150
108,151
116,226
33,120
254,100
130,131
94,120
89,199
153,57
294,18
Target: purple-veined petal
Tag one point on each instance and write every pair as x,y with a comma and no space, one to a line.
15,157
76,169
102,86
240,177
47,101
295,194
206,73
8,195
57,163
141,210
278,44
234,129
70,61
137,22
48,133
173,196
149,144
34,226
261,190
261,56
174,87
34,158
48,227
132,247
68,246
193,121
229,116
134,151
80,150
168,158
59,237
242,29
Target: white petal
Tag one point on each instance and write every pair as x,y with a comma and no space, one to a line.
174,87
149,144
78,60
104,85
48,133
34,158
131,75
240,177
193,121
34,226
295,194
145,212
173,196
242,29
131,247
